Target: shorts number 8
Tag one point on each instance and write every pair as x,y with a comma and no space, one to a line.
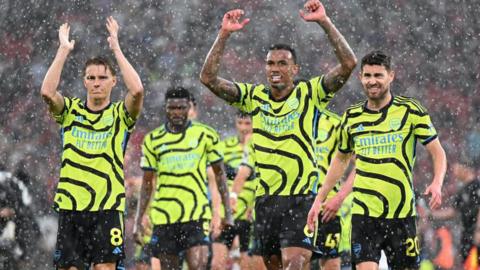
116,237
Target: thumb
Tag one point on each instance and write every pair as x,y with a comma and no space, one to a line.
245,22
302,13
427,191
72,42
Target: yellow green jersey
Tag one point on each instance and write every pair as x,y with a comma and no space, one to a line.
235,155
326,145
180,163
94,143
283,135
384,143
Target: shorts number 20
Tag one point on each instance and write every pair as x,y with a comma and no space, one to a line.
412,247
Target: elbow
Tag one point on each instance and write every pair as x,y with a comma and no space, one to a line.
137,92
46,93
351,63
206,79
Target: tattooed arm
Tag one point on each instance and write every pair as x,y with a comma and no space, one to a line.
338,76
209,75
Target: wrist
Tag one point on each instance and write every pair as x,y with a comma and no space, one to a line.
64,50
224,33
324,22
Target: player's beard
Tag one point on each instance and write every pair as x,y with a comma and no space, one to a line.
279,86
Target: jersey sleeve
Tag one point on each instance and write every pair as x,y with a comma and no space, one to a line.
125,116
244,103
148,161
344,138
422,124
320,95
214,147
60,118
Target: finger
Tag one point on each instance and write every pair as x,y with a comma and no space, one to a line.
72,43
245,22
327,217
302,13
311,221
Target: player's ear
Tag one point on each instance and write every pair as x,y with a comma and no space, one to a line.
391,75
296,69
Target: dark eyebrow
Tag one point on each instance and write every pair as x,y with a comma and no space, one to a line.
91,77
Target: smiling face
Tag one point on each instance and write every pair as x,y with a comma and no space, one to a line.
99,82
376,80
281,69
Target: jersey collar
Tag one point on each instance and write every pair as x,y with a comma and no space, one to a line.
189,124
385,108
96,112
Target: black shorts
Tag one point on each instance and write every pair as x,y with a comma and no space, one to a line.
328,239
396,237
171,239
89,237
281,221
242,228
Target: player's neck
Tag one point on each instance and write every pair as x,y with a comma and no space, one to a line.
280,94
378,104
95,104
177,128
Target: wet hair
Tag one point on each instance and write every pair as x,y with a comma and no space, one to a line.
378,58
281,46
178,92
100,61
241,114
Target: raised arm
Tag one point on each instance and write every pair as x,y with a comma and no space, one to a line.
146,190
439,160
335,171
338,76
222,88
221,179
51,81
134,98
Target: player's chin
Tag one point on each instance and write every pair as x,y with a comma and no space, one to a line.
278,85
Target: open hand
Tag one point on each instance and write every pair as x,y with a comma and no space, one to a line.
112,27
435,192
231,20
63,36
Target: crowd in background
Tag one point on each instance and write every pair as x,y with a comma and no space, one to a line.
434,44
